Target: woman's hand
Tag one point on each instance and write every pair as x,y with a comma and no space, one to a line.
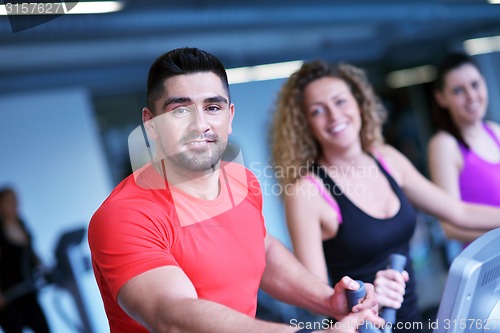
390,286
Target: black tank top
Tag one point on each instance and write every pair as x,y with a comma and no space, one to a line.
363,243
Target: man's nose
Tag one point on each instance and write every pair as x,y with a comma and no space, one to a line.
199,121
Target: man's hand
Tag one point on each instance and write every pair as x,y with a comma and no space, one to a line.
340,307
390,286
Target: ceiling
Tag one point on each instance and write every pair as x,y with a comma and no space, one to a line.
111,53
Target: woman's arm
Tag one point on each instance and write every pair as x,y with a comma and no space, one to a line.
430,198
303,207
445,163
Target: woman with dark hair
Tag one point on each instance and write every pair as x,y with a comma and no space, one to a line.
19,307
464,154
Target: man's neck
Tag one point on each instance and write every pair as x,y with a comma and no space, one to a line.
200,184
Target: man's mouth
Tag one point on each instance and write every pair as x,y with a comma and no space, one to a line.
199,143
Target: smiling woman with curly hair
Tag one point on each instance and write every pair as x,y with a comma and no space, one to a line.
293,143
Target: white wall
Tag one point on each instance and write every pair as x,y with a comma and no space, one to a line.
50,152
490,69
253,102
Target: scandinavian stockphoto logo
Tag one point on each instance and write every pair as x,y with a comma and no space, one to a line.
27,15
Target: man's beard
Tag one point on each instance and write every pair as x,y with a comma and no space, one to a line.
194,161
200,160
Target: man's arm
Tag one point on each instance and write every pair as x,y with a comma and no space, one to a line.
164,300
287,280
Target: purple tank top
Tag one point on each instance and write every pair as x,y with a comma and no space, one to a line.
479,179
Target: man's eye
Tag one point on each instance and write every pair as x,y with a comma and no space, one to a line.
180,111
213,108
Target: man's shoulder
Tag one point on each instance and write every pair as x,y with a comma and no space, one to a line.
129,198
127,191
130,210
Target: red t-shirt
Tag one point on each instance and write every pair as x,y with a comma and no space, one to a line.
219,244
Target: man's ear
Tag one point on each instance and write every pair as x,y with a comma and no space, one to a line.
149,124
231,117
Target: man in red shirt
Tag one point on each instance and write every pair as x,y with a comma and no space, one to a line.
181,245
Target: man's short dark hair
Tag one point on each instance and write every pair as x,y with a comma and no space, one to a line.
181,61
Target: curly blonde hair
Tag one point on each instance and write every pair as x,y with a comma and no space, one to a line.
293,144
